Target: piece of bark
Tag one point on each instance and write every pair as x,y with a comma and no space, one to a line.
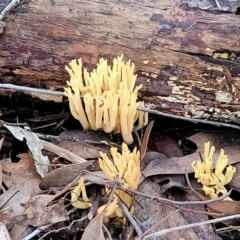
186,52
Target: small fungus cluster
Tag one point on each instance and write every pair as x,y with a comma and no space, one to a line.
80,192
127,167
110,97
213,181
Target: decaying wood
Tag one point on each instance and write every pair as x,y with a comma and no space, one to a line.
186,52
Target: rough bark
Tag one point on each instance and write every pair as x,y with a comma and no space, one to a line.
186,52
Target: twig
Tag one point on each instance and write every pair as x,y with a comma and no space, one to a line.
44,126
61,229
217,124
29,89
95,204
8,8
108,233
144,143
228,229
62,152
190,210
65,189
218,4
188,182
36,232
164,200
48,137
165,231
13,124
58,93
111,184
111,196
130,217
155,225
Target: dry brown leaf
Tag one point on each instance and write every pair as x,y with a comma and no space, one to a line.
166,145
17,231
146,208
13,173
36,212
64,175
61,152
97,177
205,232
34,145
25,167
4,235
11,201
94,230
225,207
38,215
81,136
217,139
81,149
182,165
168,181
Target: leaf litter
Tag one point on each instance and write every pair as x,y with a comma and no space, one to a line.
23,202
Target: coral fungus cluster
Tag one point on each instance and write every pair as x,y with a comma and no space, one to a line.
127,167
110,97
213,181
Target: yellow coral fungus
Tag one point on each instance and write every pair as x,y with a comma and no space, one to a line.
127,167
110,97
213,181
75,194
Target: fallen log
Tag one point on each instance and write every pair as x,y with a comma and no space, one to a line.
186,53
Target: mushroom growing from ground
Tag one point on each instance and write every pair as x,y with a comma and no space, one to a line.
75,194
213,181
127,167
110,97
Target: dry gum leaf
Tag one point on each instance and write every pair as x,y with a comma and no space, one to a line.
182,165
81,149
13,173
145,208
34,145
64,175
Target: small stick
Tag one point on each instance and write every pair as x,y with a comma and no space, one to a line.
165,231
165,200
155,225
58,93
29,89
111,184
107,232
8,8
130,217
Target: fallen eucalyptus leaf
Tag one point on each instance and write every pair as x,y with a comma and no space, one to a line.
94,230
34,145
61,152
64,175
182,165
